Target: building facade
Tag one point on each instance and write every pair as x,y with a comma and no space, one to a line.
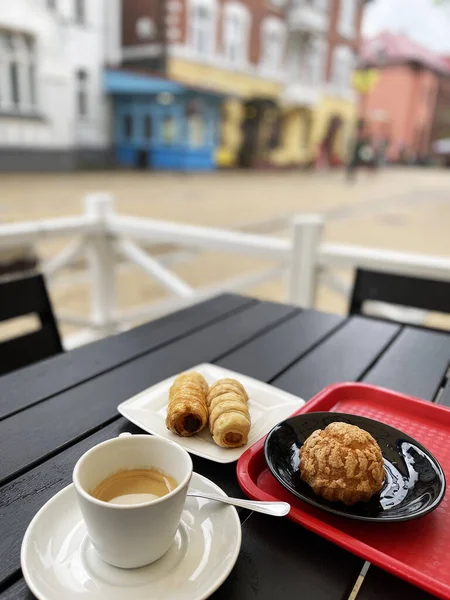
162,124
237,49
229,57
320,103
280,70
407,106
245,83
337,111
306,52
53,114
440,128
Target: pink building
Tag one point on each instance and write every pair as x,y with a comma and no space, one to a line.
401,107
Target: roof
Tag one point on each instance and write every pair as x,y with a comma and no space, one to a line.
131,82
392,48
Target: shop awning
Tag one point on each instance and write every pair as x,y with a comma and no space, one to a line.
125,82
120,82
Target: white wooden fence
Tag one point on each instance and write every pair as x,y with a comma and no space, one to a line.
102,235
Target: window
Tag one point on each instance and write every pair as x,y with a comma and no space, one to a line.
347,17
82,93
128,127
310,66
145,28
32,84
196,128
272,51
202,26
278,3
306,59
319,4
80,11
322,5
169,131
236,26
31,70
314,62
14,83
293,59
148,127
343,64
196,124
277,125
221,125
273,35
17,72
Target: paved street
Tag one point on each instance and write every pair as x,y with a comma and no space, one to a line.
405,209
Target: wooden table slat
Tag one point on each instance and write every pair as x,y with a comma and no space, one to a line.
279,559
64,419
271,353
414,364
379,584
343,356
18,591
23,497
39,381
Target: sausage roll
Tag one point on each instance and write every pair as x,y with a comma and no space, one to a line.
187,412
229,418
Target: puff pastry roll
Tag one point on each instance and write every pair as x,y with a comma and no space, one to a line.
229,418
187,412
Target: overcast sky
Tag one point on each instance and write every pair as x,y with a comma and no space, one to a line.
422,20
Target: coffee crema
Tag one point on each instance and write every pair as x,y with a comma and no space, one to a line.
134,486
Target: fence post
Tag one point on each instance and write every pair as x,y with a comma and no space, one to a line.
101,264
306,237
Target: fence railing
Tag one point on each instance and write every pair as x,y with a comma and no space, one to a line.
103,236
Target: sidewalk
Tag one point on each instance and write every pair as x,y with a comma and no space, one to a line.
405,210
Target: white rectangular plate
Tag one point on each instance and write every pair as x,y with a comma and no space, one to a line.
267,405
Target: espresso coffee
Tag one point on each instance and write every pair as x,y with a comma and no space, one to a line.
134,486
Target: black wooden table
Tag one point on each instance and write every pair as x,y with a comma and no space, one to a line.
52,412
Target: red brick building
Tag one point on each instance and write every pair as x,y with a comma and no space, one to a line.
409,103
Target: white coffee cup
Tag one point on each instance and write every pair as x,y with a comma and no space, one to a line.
132,535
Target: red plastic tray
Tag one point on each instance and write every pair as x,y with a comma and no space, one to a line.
417,550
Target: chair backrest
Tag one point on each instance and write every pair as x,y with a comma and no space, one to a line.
415,292
24,296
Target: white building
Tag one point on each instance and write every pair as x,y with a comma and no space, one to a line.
307,48
53,114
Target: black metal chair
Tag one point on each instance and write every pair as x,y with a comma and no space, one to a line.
414,292
20,297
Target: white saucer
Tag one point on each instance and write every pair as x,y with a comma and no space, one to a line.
58,560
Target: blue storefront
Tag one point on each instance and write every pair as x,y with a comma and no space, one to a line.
161,124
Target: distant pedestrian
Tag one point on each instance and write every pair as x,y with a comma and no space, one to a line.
383,152
363,152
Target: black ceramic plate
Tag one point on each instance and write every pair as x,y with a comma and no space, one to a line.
414,484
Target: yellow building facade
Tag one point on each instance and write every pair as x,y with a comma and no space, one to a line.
302,130
305,130
333,107
239,87
278,66
294,147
